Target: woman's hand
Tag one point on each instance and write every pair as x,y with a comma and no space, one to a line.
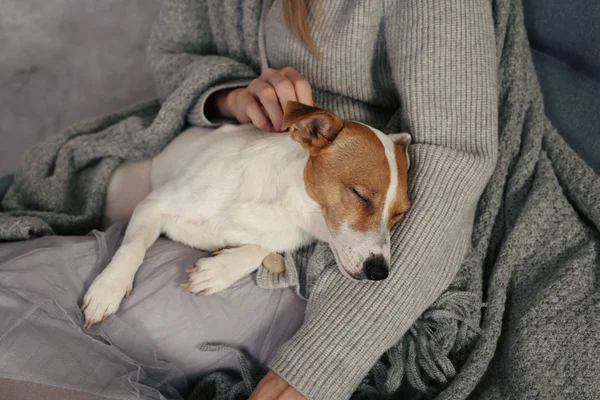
263,101
273,387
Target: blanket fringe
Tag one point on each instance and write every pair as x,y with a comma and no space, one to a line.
419,365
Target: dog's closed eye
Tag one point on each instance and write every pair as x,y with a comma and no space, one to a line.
366,201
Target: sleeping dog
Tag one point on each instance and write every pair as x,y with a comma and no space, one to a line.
244,194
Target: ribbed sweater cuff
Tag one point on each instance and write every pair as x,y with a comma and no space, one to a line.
351,324
197,116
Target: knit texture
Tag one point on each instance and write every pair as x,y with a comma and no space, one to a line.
536,226
533,257
383,56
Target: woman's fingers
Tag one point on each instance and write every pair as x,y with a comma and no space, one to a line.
269,98
251,108
283,86
263,101
301,85
273,387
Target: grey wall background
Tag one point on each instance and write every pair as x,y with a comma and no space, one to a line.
63,61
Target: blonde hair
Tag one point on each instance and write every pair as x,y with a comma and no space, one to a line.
295,13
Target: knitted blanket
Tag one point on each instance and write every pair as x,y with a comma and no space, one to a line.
533,262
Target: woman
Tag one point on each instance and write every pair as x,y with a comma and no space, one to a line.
426,67
431,62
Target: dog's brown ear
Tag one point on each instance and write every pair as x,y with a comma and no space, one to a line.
313,128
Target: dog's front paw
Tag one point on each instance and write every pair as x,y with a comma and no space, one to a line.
214,274
103,298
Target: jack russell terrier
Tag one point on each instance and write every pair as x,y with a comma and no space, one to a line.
244,194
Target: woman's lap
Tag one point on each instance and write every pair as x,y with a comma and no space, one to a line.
157,330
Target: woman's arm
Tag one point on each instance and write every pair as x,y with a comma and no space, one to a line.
184,56
443,59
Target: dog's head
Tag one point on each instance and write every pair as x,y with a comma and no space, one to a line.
358,176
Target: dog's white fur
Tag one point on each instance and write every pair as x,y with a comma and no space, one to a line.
233,188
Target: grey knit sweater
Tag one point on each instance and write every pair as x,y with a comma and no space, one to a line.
380,59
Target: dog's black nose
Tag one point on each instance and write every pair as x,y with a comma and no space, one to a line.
376,268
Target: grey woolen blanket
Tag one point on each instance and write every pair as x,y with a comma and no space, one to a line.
534,258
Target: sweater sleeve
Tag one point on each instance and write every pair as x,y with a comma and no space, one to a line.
184,56
443,60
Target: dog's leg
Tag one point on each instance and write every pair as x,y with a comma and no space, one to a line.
214,274
116,281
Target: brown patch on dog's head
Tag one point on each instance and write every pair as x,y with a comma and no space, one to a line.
349,179
349,175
